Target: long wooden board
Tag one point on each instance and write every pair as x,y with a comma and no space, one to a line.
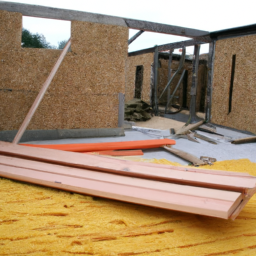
181,175
204,201
88,147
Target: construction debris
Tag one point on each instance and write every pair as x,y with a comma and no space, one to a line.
137,110
244,140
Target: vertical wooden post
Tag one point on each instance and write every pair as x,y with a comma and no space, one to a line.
121,109
185,90
193,118
40,95
210,67
169,73
156,80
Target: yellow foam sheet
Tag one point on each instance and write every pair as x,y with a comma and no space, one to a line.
36,220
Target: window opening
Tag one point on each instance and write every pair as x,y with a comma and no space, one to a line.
138,81
44,33
232,82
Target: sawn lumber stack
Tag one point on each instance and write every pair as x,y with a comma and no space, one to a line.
213,193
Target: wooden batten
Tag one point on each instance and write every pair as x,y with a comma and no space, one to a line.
180,175
219,194
211,202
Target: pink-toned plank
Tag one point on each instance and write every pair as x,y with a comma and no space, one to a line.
136,190
128,168
40,95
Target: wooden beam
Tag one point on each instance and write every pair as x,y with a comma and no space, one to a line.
60,14
192,110
209,89
179,175
63,14
164,28
135,36
234,32
197,200
165,47
41,95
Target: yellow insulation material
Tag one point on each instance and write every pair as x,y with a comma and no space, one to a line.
36,220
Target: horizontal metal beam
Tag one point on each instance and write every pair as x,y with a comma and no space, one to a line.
64,14
165,47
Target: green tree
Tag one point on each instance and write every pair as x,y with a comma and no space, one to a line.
62,44
31,40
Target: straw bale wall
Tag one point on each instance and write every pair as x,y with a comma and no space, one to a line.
84,91
243,112
132,62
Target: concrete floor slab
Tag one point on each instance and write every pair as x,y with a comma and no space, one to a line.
222,151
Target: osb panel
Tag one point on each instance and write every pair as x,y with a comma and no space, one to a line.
201,87
132,62
243,114
84,91
10,30
99,39
58,111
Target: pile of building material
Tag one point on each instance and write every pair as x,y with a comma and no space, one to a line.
213,193
137,110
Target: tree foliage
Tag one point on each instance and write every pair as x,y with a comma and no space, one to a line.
31,40
62,44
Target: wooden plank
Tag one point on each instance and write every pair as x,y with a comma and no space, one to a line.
135,37
233,32
89,147
63,14
41,94
156,64
165,47
244,140
178,175
192,115
60,14
164,28
210,67
203,201
119,153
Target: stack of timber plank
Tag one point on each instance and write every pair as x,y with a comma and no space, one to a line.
212,193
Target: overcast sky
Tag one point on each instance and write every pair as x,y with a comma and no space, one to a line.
199,14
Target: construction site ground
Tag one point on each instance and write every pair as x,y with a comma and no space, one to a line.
37,220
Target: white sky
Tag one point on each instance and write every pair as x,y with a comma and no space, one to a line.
199,14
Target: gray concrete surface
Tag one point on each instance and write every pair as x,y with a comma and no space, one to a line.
222,151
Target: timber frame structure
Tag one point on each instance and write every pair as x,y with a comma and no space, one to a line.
198,37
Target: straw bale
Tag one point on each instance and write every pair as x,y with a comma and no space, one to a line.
243,114
146,60
10,30
84,91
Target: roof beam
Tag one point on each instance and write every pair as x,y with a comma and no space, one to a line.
233,32
165,47
64,14
164,29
